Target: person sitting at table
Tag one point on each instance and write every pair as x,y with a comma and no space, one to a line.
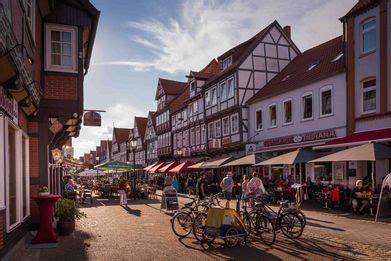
358,195
70,192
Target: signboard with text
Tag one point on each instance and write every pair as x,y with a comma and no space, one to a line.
8,105
92,118
310,136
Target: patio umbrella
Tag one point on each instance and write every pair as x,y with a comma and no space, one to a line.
248,160
290,158
114,165
368,152
90,172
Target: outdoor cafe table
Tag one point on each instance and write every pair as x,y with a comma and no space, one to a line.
45,231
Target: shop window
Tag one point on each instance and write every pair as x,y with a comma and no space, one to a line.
273,115
226,126
61,48
288,111
368,31
369,96
258,119
326,101
307,106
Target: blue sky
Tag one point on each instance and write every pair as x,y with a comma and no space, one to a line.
139,41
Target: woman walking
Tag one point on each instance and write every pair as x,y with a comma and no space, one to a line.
122,184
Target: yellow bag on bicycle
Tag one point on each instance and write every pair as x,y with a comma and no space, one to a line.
215,217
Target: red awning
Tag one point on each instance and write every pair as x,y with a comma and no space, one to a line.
183,168
156,167
359,138
166,168
151,166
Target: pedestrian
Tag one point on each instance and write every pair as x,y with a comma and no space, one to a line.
168,180
227,185
122,184
189,185
245,189
201,186
70,192
255,187
175,184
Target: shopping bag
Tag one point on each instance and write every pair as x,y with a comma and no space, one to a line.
215,217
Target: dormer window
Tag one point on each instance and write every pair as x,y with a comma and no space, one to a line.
227,62
192,86
61,48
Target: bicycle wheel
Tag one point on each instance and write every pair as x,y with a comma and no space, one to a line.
198,226
246,221
302,216
264,228
291,225
231,237
182,224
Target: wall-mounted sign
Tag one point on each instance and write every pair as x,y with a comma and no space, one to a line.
92,118
9,105
56,127
251,148
310,136
226,141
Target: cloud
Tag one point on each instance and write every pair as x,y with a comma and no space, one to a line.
205,29
121,115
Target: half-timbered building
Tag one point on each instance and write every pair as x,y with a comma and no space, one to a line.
246,68
119,141
140,125
166,92
151,139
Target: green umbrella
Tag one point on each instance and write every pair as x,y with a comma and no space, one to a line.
114,165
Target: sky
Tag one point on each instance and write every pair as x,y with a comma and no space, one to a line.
139,41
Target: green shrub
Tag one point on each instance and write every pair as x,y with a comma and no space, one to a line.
68,211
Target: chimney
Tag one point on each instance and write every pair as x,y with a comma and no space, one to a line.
287,30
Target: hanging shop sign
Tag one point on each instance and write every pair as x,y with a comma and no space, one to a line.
92,118
310,136
56,127
9,105
251,148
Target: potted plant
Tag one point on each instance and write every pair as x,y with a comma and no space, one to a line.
43,191
67,214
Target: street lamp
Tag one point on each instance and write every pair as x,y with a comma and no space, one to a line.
133,144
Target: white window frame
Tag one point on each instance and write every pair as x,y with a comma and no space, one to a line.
30,21
303,106
368,89
229,126
218,129
192,136
208,100
198,134
213,97
270,116
233,131
27,180
321,91
223,91
227,62
192,86
48,48
284,123
256,120
230,92
203,134
211,131
364,31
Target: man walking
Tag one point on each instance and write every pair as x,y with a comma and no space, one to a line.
122,191
227,185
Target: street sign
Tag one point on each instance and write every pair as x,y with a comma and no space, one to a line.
92,118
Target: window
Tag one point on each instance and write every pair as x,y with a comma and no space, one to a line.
192,86
258,119
227,62
192,136
207,98
307,106
223,91
231,88
288,111
211,130
195,107
198,135
273,115
226,127
234,123
218,129
30,15
369,95
203,133
326,101
12,177
214,96
368,30
61,48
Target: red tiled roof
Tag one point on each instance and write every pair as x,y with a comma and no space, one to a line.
208,71
141,123
179,101
172,87
121,134
296,73
360,7
361,137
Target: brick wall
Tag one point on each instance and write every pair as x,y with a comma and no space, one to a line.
61,87
34,157
22,120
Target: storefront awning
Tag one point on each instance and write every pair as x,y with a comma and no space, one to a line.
216,163
297,156
197,165
368,152
248,160
358,139
156,167
151,166
167,167
184,167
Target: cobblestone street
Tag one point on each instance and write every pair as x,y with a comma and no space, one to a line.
142,232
